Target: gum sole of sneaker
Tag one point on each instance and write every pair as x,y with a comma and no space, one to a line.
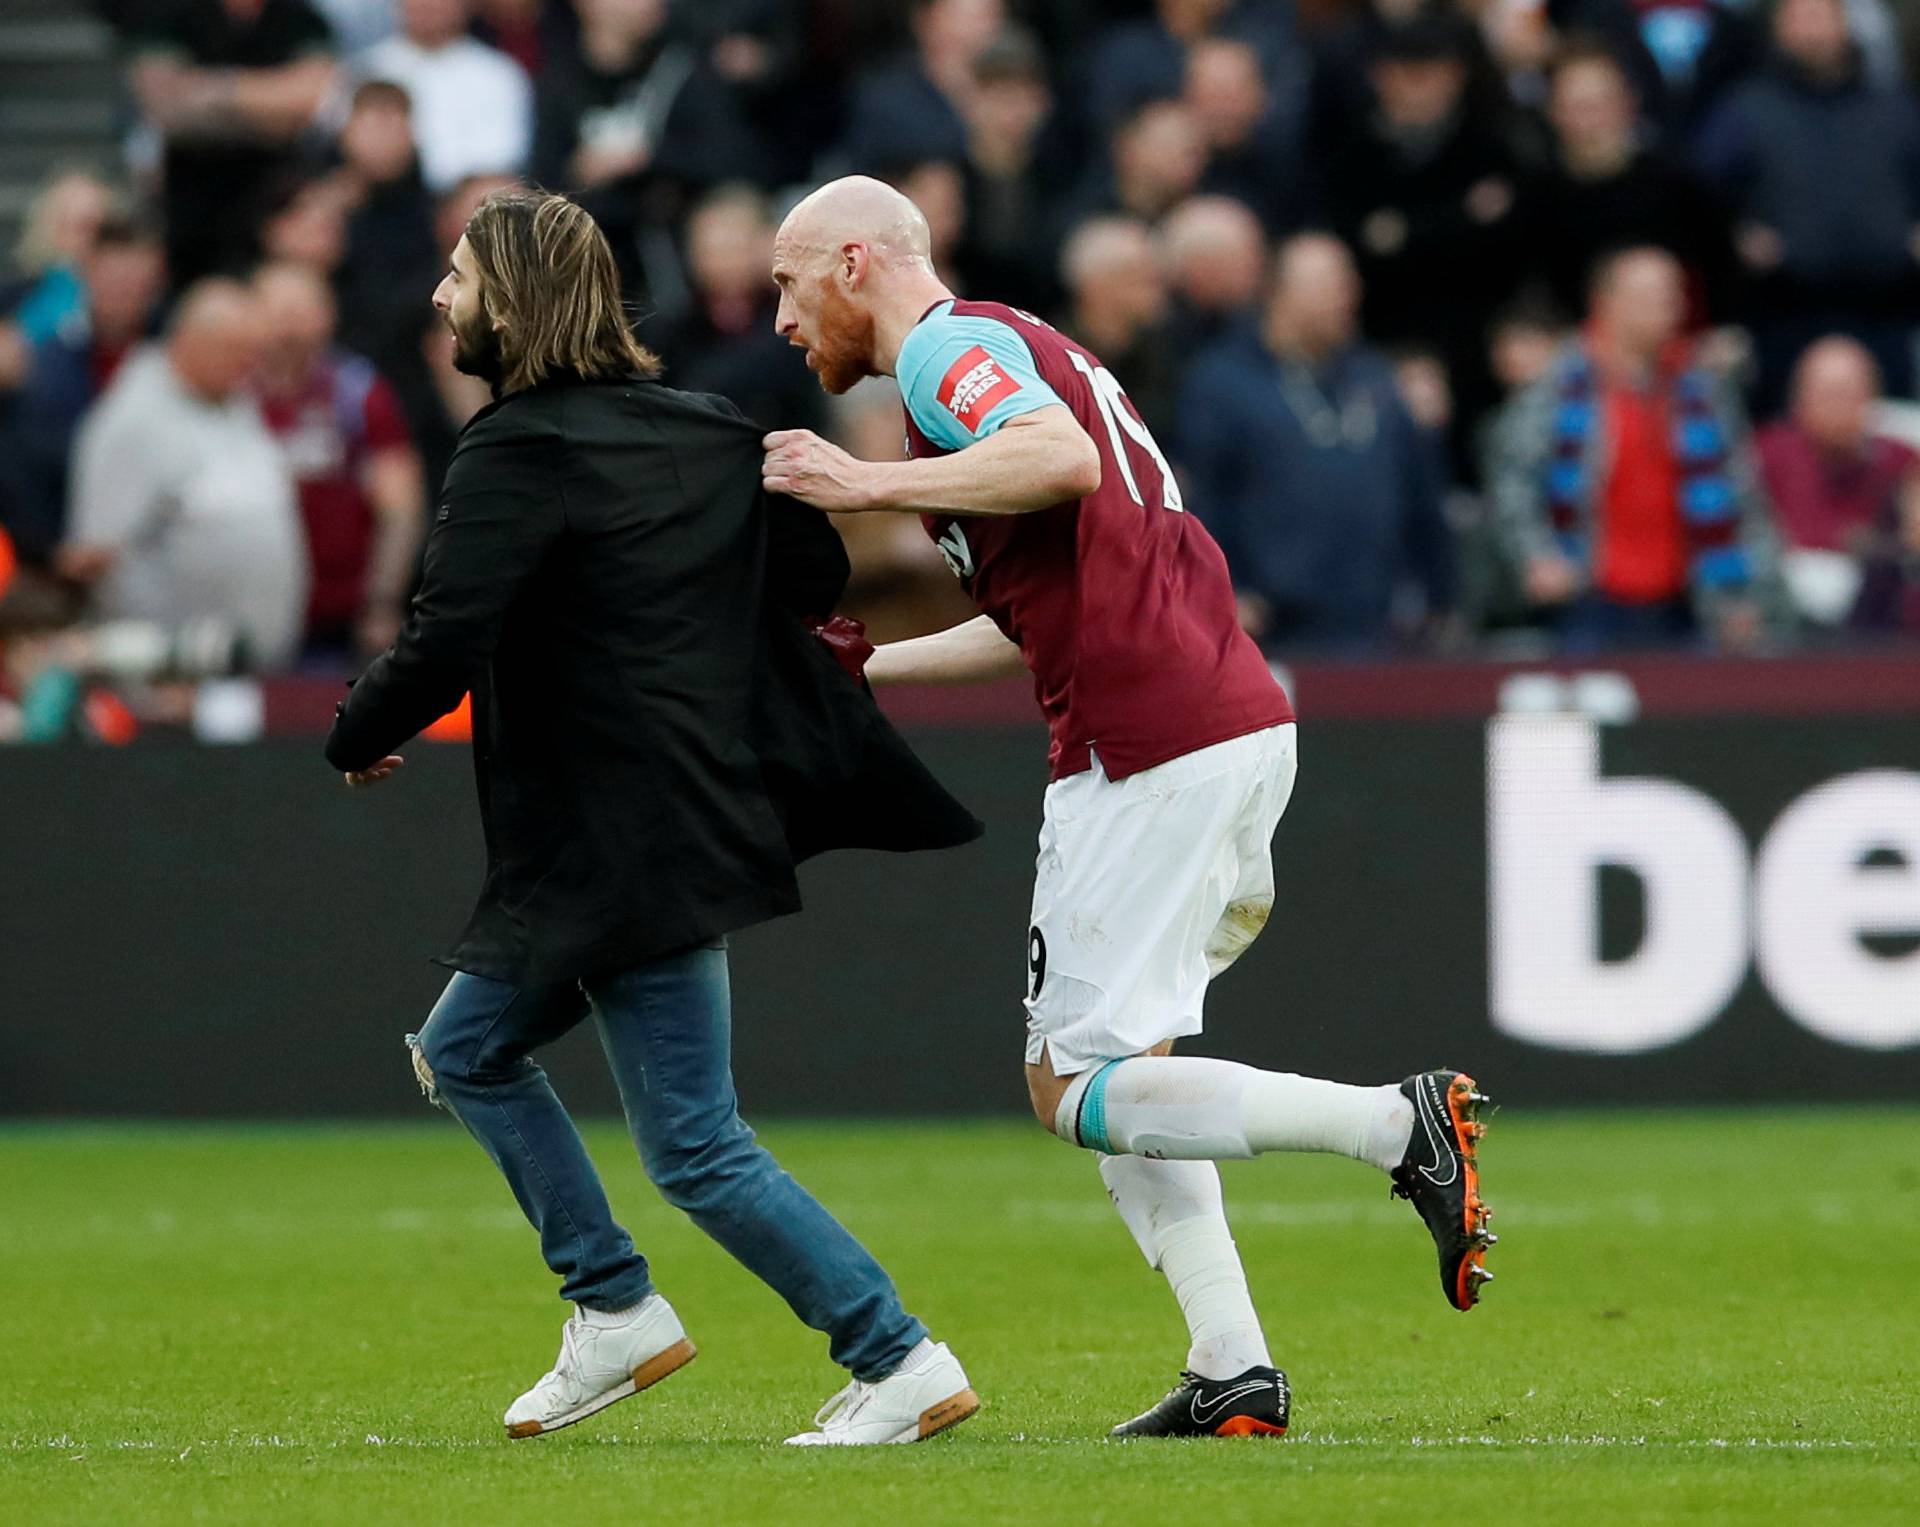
1464,1103
949,1412
1248,1426
649,1373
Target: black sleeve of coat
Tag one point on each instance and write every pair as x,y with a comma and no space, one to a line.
500,513
807,567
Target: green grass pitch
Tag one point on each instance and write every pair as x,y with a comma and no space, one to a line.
1708,1317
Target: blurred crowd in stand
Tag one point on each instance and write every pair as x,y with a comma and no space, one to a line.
1507,325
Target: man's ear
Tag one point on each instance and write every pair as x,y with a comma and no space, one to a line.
855,261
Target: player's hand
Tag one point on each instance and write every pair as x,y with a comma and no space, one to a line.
359,779
801,465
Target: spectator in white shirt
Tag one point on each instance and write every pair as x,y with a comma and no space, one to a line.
183,508
472,105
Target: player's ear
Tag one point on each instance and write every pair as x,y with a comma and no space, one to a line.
854,261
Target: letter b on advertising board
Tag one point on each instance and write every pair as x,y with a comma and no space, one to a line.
1830,907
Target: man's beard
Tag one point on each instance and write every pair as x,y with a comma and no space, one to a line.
476,350
843,343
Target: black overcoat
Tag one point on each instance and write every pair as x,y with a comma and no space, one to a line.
658,736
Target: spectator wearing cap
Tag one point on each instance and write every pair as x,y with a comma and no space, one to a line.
230,86
725,342
122,277
1606,188
1841,491
1822,170
1623,482
1425,190
358,478
1216,258
1117,308
1013,172
910,110
472,104
182,507
1305,463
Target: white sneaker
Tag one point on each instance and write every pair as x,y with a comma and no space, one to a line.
600,1364
926,1394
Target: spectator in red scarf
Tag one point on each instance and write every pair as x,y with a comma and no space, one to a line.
1622,481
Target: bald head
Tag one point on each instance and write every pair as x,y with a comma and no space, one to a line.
858,209
854,265
216,338
1835,388
1113,274
1315,305
1103,245
298,307
1640,302
1216,252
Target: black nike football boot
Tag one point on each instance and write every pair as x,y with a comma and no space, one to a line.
1441,1178
1253,1405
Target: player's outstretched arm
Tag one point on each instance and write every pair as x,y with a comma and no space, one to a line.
1031,462
964,654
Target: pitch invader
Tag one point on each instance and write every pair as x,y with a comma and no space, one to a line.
1172,752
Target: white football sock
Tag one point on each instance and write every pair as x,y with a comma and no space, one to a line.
1176,1215
1186,1108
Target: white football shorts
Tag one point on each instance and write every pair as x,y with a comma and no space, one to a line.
1145,890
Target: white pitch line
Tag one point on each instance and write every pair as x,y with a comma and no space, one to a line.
68,1444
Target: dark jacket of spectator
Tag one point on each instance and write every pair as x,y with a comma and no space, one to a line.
741,358
1571,221
391,258
1832,167
1319,486
37,430
66,372
1134,62
663,106
1683,56
899,116
1602,187
657,738
215,171
1430,210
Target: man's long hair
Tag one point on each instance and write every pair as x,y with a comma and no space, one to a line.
551,293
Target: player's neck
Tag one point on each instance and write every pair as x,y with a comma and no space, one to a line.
907,306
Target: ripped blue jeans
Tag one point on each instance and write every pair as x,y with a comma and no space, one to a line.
666,1028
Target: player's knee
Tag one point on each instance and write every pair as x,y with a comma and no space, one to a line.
1043,1092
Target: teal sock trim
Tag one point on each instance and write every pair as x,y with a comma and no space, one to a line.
1093,1113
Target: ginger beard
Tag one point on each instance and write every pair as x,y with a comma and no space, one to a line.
842,346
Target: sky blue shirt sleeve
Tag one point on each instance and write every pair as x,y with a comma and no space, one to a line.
983,390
